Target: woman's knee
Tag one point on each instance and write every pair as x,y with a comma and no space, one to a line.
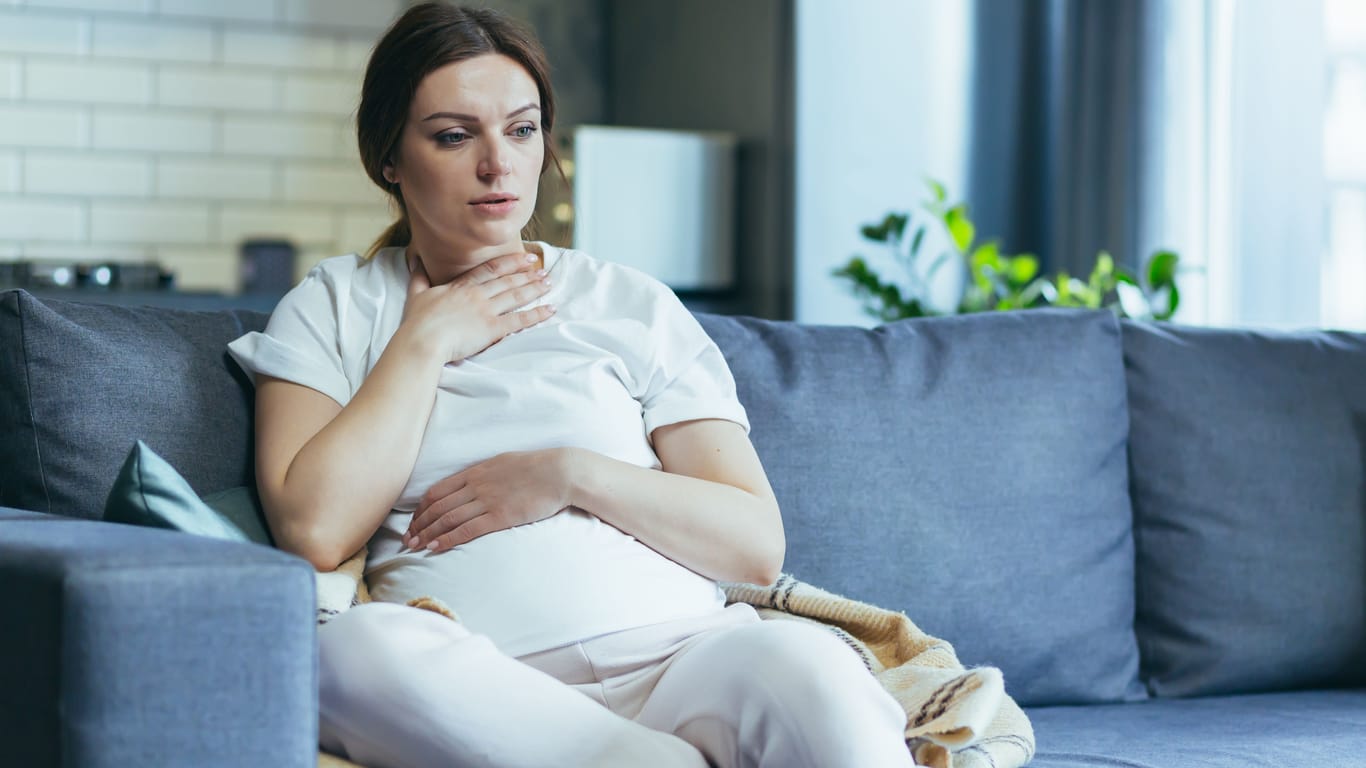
377,642
806,672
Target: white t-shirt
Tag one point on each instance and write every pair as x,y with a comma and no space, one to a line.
620,357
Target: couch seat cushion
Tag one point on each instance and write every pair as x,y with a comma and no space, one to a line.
969,471
1273,730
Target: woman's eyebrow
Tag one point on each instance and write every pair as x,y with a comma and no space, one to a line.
472,118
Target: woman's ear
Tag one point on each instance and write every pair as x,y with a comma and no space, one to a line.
390,175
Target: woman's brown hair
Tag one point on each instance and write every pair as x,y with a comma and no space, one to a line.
425,38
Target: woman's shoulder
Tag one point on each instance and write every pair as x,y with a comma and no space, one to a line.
601,273
339,275
352,265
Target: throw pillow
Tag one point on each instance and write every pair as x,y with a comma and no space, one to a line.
149,491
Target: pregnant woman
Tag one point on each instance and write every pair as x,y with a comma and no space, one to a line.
547,443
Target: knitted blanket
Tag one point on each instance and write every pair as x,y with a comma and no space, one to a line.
955,717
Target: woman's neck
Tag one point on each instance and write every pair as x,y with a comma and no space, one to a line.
445,261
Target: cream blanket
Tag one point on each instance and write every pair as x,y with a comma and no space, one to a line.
955,717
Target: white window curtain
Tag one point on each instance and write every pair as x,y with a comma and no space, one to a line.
1245,162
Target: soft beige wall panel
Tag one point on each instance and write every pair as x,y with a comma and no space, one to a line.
249,10
93,83
198,178
160,40
37,220
360,227
87,173
215,88
357,14
87,253
9,172
23,125
149,222
32,33
330,183
327,94
279,49
153,131
280,137
353,55
304,225
9,77
118,6
209,268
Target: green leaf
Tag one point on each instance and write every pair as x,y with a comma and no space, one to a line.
939,262
960,226
937,189
1021,269
987,254
895,223
917,240
1039,290
875,232
1173,297
1105,263
1162,269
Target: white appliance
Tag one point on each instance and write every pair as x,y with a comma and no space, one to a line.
660,201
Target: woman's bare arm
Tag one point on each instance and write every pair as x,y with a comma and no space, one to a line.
329,474
711,509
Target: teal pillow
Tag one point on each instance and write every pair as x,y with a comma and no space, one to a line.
148,491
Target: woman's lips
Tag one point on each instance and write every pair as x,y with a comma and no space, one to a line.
495,205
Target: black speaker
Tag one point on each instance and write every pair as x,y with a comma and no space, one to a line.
267,267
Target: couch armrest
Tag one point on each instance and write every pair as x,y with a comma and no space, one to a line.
124,646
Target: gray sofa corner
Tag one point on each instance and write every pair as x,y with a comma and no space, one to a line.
135,646
1157,533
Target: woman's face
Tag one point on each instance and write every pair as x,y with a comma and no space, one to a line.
470,156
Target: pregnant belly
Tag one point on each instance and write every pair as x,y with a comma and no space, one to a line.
557,581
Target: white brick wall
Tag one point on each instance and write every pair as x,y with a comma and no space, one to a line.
215,88
33,220
175,129
102,83
9,78
209,179
91,174
24,125
9,172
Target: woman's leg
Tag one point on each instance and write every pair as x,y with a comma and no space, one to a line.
777,694
404,687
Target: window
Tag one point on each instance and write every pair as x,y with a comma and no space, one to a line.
1343,294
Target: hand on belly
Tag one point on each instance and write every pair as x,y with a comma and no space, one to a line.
506,491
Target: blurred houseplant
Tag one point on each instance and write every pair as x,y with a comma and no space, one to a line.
995,280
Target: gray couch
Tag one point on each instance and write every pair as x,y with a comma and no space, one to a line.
1158,533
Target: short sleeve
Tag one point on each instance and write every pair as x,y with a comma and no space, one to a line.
688,377
301,342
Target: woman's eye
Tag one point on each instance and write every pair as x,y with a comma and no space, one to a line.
524,131
453,138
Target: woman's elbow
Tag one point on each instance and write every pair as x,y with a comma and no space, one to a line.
767,562
312,543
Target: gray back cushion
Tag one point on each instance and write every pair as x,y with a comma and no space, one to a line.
968,471
1248,456
79,383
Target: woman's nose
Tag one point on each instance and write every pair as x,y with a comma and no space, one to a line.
494,162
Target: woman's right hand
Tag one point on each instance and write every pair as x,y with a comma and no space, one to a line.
477,309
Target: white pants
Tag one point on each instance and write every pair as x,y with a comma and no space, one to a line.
404,687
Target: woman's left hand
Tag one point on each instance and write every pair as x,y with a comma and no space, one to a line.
505,491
